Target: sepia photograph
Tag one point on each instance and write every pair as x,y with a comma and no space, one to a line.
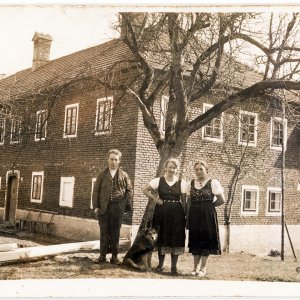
149,150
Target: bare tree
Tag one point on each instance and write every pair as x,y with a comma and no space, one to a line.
191,55
184,55
188,56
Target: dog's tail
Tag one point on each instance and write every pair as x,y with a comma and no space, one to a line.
130,262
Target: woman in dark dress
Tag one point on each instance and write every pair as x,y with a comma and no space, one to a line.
169,213
204,194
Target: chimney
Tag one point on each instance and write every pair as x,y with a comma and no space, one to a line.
41,50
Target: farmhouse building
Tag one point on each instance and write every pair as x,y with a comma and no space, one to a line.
58,122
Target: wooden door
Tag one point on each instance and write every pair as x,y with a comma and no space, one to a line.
11,200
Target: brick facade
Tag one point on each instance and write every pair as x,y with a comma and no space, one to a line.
82,156
266,173
85,155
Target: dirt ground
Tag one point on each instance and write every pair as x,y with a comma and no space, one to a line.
233,266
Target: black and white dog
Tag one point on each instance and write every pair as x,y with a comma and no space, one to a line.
139,255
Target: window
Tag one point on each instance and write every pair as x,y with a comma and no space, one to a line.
66,191
0,182
37,187
250,196
213,131
71,120
15,131
93,184
41,124
104,115
274,201
278,133
163,112
247,128
2,131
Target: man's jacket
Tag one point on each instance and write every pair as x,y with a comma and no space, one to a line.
122,193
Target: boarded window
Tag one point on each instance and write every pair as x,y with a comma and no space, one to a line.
66,191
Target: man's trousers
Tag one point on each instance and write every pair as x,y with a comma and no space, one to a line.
110,225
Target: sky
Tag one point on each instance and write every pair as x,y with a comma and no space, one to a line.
73,26
72,29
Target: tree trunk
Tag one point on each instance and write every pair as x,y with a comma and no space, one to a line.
228,210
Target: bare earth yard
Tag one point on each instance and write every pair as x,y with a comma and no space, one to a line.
233,266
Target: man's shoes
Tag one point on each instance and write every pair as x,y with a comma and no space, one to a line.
115,261
159,269
102,259
174,272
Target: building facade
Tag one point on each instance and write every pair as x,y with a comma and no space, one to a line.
72,122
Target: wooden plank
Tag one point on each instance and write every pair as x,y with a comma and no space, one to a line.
8,247
40,251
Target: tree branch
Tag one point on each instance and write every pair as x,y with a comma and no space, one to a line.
255,90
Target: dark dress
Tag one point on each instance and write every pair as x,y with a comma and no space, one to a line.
169,218
203,222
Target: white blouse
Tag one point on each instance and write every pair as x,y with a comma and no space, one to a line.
216,186
155,182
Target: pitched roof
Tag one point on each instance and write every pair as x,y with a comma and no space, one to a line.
88,61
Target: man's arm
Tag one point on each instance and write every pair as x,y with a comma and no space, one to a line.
128,194
95,197
183,201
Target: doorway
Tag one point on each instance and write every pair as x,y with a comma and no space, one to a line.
11,199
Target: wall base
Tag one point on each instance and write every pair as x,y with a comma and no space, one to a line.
254,239
260,239
74,228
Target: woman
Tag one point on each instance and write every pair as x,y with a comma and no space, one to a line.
169,213
204,194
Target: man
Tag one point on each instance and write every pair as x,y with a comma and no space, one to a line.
112,197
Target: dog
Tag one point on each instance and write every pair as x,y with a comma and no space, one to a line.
139,255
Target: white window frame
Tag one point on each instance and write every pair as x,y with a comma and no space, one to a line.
4,123
163,110
250,143
65,122
13,124
36,126
92,190
284,132
0,182
41,173
105,99
249,188
213,139
276,190
68,203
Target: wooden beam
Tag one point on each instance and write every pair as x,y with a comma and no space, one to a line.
8,247
40,251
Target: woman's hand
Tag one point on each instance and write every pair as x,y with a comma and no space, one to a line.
158,201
